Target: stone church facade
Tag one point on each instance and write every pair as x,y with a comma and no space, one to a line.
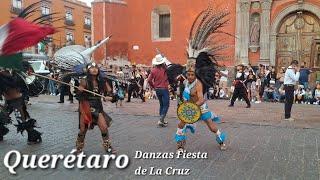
271,32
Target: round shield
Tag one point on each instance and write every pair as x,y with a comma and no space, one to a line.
189,112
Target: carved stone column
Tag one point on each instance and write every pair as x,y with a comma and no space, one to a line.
265,32
273,45
245,26
238,33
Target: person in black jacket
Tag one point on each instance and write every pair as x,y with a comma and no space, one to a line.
240,90
271,76
250,83
65,89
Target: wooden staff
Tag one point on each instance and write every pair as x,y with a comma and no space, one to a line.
96,94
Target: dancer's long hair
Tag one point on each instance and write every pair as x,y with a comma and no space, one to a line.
101,82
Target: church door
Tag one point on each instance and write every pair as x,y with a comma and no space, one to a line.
295,37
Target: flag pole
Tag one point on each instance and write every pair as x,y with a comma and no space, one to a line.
61,82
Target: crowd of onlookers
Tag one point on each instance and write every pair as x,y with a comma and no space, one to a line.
263,83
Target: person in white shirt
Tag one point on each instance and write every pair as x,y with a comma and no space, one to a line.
291,78
223,83
316,99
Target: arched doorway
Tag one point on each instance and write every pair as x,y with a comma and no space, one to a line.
296,34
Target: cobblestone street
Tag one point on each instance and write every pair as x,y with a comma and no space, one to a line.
260,144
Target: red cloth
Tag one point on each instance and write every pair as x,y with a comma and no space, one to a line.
23,34
158,78
85,112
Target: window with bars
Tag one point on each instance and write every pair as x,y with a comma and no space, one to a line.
87,20
69,36
45,10
164,26
161,23
17,4
69,15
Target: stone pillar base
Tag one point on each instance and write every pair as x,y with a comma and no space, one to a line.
264,62
254,48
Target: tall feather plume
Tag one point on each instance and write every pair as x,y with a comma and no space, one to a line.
206,26
204,44
44,19
29,10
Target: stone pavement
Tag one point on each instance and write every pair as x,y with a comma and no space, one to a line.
260,145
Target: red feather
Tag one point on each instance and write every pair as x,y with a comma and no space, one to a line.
23,34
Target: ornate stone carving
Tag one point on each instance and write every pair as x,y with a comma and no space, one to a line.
255,5
266,4
244,6
254,32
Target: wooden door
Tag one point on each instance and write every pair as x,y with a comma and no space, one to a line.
295,38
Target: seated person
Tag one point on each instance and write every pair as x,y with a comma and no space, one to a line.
269,93
308,96
280,94
316,95
300,94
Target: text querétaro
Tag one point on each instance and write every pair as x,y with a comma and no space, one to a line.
69,161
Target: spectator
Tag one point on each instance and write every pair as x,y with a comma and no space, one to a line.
299,94
65,89
250,68
120,74
280,95
280,77
290,80
316,95
257,92
223,84
271,75
52,85
308,96
158,80
251,84
270,93
262,82
304,75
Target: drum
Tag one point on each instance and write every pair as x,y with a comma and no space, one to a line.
189,112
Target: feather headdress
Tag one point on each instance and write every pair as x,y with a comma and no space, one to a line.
204,31
74,58
23,32
202,48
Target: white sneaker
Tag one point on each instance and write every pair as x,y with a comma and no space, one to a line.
257,102
289,119
223,147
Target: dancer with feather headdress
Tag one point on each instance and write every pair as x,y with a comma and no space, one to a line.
74,61
200,71
15,36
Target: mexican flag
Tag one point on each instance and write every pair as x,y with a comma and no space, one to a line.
13,61
19,34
